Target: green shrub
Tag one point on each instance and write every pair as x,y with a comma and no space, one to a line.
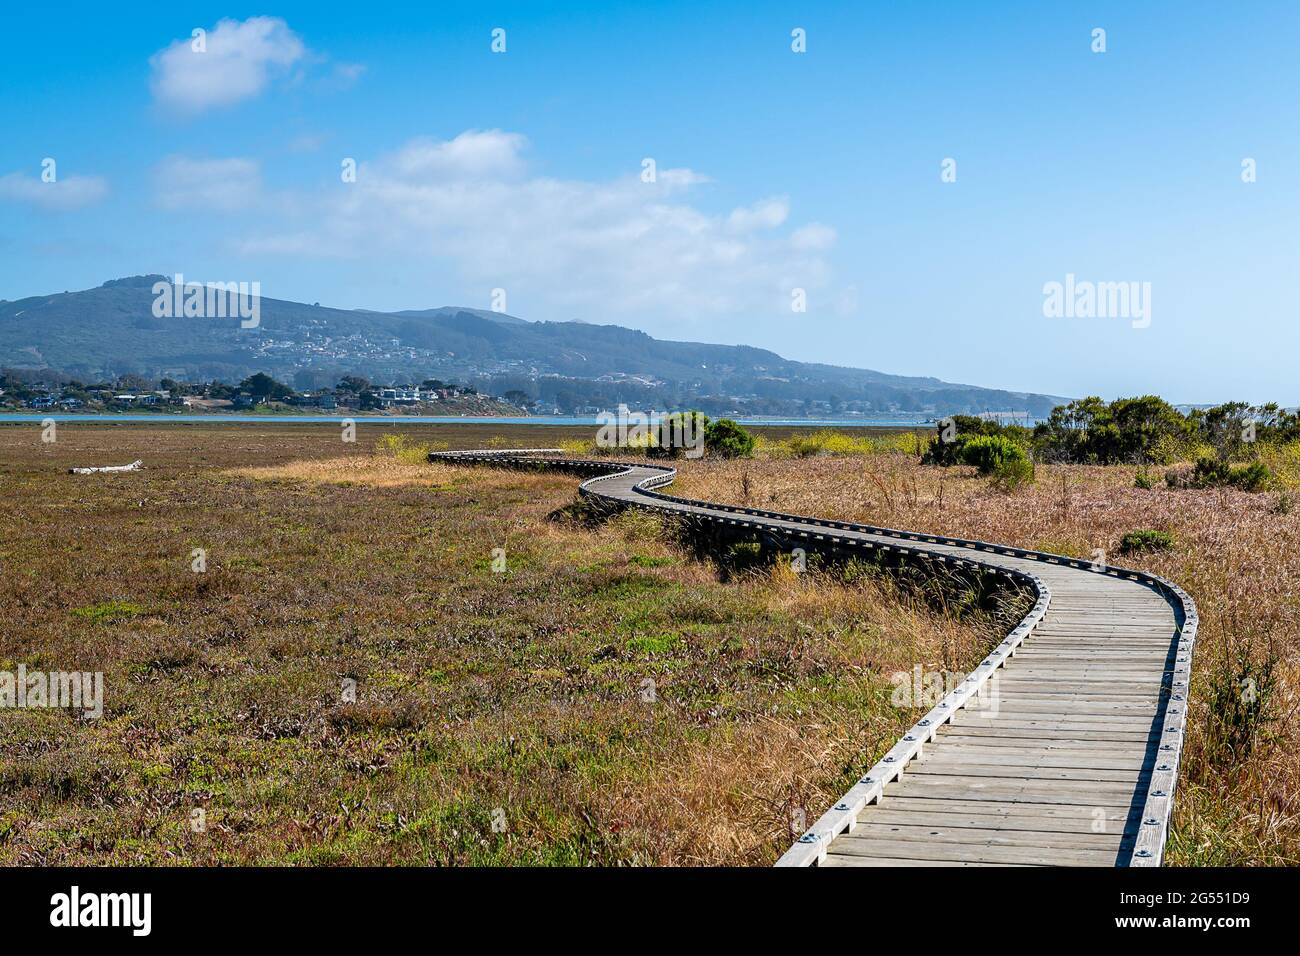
1145,540
1089,430
1012,473
677,433
1143,479
988,452
1213,472
727,439
1252,477
940,452
961,429
803,446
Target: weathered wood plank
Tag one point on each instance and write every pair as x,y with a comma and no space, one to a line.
851,845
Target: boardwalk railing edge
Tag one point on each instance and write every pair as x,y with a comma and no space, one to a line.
810,848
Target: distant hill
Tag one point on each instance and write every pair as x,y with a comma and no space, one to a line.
111,330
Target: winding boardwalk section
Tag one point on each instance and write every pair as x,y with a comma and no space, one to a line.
1061,748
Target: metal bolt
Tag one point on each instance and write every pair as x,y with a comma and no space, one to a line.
808,838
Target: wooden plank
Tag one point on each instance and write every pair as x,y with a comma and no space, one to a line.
969,768
1060,733
851,845
1006,757
1076,793
1028,705
1001,747
991,836
850,860
1097,721
1075,814
1084,820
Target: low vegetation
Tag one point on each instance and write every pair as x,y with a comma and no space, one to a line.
1215,473
1236,551
355,678
521,690
1135,542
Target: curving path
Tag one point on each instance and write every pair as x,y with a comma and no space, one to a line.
1061,748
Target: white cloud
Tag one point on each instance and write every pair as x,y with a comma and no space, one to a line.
604,247
813,236
67,192
218,185
765,214
236,62
474,154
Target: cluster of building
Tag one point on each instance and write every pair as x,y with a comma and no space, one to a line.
61,398
217,395
413,395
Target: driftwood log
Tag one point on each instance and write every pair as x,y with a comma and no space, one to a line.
134,466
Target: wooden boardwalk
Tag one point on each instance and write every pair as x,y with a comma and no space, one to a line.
1061,748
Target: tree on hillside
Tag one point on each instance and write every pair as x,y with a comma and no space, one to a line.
133,383
354,384
262,385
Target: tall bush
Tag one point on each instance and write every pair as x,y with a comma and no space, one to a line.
988,452
727,439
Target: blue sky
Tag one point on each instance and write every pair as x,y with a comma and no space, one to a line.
776,170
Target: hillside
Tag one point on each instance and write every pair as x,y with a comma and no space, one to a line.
111,330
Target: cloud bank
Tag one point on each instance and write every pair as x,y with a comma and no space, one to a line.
66,193
233,61
618,246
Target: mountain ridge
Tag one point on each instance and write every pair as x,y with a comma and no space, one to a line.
112,330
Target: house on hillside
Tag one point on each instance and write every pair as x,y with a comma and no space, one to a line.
405,395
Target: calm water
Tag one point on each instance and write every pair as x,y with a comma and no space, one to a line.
36,417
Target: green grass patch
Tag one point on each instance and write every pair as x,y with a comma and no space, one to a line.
1146,539
110,612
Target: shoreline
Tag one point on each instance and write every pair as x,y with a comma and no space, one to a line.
561,421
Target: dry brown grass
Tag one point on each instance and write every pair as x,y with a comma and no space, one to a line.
372,470
1237,553
475,691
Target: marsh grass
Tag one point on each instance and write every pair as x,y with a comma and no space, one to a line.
1236,552
476,691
